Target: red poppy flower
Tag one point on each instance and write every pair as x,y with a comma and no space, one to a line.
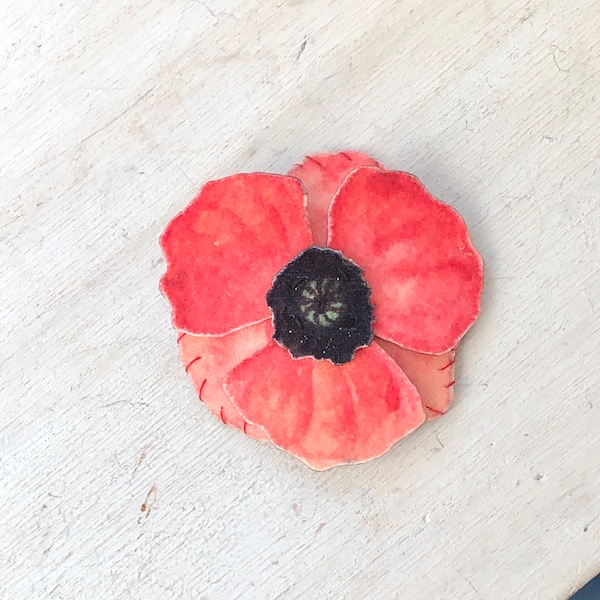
321,310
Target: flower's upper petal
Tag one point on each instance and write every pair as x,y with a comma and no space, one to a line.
224,249
324,414
208,359
431,374
322,175
416,255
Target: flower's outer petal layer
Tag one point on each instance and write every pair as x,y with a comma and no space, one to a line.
322,175
327,415
208,359
416,255
431,374
224,249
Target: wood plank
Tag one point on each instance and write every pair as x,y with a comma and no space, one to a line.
113,114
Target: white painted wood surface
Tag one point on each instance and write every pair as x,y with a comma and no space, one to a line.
112,116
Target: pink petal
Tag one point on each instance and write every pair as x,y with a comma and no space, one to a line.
326,415
322,175
208,359
224,249
431,374
416,255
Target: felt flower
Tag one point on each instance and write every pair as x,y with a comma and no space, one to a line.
321,310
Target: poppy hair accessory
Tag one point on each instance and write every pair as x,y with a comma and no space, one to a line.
321,310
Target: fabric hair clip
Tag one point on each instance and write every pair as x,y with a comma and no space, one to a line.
321,310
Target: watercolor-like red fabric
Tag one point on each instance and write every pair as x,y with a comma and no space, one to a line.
224,250
326,414
416,256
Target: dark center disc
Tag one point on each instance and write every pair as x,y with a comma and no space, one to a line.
320,304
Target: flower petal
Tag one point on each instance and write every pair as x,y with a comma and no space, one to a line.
416,255
224,249
324,414
322,175
431,374
208,359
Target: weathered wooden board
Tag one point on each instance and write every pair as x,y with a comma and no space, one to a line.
112,114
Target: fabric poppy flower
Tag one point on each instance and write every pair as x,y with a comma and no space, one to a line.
321,310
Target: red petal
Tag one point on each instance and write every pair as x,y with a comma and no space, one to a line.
322,175
416,255
224,249
209,359
431,374
327,415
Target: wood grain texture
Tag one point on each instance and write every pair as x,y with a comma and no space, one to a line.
112,116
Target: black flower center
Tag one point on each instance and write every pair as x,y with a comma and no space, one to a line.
320,304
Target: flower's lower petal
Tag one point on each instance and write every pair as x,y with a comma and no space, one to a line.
208,359
224,249
431,374
416,255
322,175
324,414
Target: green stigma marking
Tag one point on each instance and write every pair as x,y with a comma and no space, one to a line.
321,307
320,302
